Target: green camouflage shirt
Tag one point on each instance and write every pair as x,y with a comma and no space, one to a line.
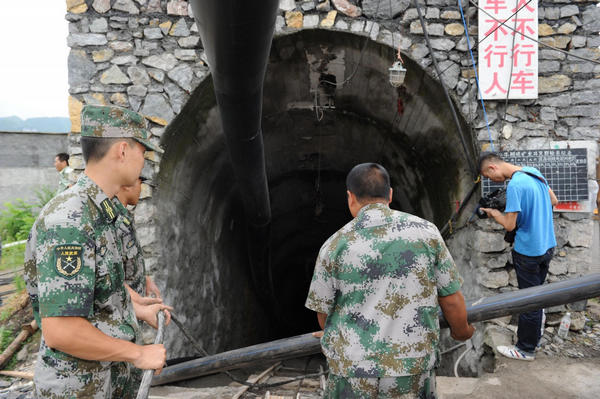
73,267
64,179
133,258
378,279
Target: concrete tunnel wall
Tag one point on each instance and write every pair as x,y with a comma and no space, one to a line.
308,154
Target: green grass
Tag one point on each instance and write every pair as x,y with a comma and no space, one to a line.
12,258
19,283
6,338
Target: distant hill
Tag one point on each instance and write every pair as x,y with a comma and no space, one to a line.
44,124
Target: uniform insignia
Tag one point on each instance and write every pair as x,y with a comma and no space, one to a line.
109,210
68,259
126,221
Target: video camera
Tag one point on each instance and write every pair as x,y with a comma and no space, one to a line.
495,200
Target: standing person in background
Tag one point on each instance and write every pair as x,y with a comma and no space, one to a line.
74,270
137,281
529,202
61,163
136,275
376,288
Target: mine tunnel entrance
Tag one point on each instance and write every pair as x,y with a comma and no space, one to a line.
328,105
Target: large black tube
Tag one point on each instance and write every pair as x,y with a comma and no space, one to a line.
237,36
302,345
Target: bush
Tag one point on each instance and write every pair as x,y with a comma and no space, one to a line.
18,217
43,194
12,257
16,220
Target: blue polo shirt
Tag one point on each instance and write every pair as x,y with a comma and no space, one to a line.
529,196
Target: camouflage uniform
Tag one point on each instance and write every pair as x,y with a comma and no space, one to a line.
378,279
133,260
73,267
64,179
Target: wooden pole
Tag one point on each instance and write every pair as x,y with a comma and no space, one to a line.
255,380
17,374
28,329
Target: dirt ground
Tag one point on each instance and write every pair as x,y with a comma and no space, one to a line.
546,377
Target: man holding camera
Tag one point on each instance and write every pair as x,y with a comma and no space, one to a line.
529,202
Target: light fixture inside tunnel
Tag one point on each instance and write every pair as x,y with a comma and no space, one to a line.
397,74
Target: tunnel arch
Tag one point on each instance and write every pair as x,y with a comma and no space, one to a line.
314,132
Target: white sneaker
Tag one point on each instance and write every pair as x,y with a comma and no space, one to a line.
513,352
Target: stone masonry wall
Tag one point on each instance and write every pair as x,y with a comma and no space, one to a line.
146,55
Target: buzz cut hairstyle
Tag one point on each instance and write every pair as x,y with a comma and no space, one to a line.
63,157
94,149
489,156
368,181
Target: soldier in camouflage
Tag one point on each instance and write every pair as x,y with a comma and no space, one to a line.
136,276
376,288
61,163
74,271
137,282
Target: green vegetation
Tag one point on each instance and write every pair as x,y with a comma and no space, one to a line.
6,337
12,258
16,221
19,283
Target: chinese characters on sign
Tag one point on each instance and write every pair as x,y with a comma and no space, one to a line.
497,53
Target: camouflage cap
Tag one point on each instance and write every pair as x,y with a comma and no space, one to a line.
112,121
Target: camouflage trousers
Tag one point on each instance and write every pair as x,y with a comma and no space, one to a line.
420,386
57,378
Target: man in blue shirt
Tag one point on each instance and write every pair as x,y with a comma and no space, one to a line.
529,202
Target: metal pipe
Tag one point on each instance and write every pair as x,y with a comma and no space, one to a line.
147,375
543,296
303,345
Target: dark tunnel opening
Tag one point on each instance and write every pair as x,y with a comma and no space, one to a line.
313,135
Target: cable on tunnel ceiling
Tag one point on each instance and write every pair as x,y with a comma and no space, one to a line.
362,53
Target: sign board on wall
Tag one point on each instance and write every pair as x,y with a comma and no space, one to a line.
566,171
501,48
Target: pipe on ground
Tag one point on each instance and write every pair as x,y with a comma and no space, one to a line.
505,304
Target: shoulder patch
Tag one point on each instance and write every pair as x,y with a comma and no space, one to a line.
68,259
126,221
109,210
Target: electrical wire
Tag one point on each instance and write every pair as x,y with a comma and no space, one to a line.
504,23
448,99
459,359
362,53
487,123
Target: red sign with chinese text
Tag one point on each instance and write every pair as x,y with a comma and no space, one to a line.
506,30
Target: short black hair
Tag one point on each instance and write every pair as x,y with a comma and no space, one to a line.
95,148
489,156
63,157
368,181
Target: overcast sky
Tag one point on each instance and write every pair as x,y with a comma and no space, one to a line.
33,58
